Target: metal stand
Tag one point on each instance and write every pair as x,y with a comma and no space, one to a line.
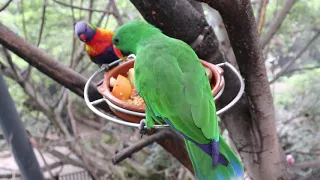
142,115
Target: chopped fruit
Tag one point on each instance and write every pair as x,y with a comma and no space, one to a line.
122,88
131,77
112,81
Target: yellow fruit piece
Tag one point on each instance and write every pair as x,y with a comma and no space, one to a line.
122,88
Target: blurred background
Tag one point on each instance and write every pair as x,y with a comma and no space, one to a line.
289,32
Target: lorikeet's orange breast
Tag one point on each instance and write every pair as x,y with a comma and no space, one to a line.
101,40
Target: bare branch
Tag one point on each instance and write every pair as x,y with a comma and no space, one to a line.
69,109
116,13
23,20
301,69
66,159
103,15
46,164
290,63
78,55
45,63
60,96
90,12
5,5
276,24
262,15
27,72
43,18
309,164
82,8
73,36
10,62
122,155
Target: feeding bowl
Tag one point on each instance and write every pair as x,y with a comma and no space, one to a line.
217,85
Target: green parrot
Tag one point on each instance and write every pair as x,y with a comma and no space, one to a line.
174,85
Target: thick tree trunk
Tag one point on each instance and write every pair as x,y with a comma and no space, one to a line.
181,20
74,81
251,122
264,159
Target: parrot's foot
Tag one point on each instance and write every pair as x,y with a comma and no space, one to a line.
142,128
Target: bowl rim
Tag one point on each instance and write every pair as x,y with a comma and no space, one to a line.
217,74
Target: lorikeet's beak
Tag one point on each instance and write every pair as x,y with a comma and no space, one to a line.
119,53
83,37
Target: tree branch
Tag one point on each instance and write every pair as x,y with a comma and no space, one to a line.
276,24
5,5
44,63
262,15
125,153
251,124
116,13
23,20
108,6
43,19
309,164
90,12
291,62
82,8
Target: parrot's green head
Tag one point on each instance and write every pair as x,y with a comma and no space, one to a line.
127,38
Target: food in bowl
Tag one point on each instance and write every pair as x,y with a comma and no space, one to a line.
124,89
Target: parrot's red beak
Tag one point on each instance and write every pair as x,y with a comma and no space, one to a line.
119,53
83,37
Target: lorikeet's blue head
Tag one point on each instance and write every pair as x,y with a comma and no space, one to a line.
85,31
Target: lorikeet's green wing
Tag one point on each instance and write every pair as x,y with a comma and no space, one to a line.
174,84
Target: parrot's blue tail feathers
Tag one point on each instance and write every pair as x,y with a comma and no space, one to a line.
228,167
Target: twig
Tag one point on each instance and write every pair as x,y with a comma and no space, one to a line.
301,69
23,20
139,145
10,62
290,63
82,8
27,72
59,97
81,4
103,15
262,15
275,25
43,18
309,164
116,13
45,164
85,66
66,159
90,12
5,5
73,37
79,55
69,109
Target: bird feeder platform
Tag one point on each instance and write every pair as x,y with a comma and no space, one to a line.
131,115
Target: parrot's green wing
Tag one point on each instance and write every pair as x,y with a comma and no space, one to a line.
175,87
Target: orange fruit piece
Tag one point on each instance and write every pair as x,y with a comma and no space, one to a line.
122,88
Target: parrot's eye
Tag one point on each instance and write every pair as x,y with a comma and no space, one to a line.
116,40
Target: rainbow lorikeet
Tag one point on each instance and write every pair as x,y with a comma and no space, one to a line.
98,42
173,83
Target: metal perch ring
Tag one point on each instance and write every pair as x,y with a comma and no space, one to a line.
142,115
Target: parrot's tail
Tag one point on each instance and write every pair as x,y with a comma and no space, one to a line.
202,163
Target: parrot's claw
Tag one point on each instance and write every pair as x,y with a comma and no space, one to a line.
142,128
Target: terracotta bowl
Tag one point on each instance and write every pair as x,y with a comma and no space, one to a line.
216,85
